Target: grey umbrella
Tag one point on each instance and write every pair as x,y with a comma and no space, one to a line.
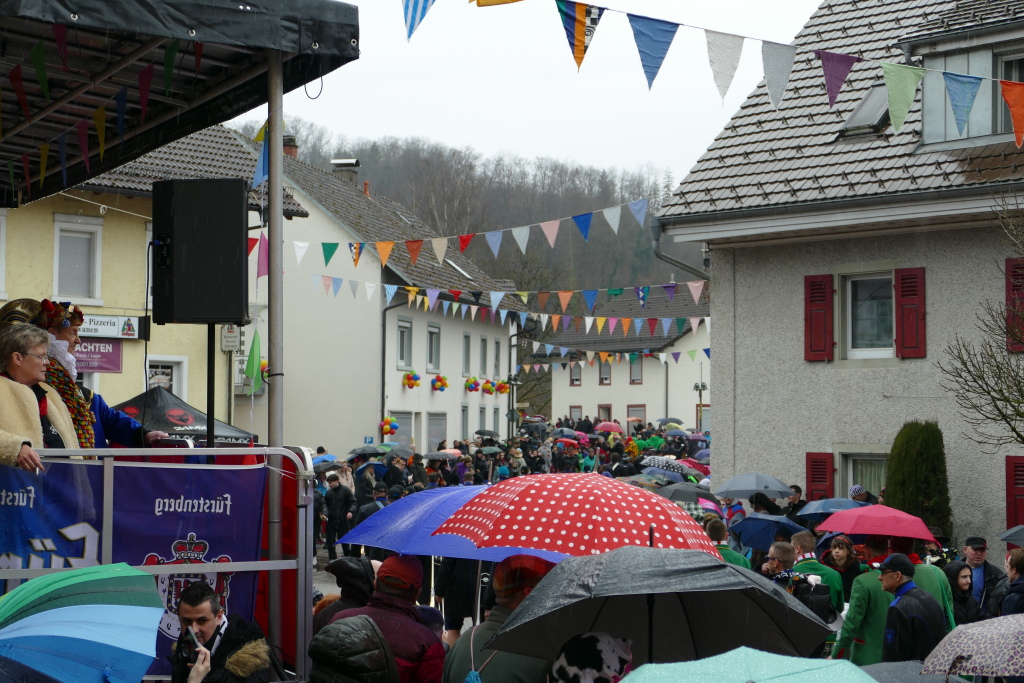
668,602
488,432
746,485
905,672
565,433
686,492
402,452
367,450
1014,535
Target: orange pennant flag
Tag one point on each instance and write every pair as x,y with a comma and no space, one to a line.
1013,93
542,299
555,319
564,298
414,247
603,355
625,326
384,251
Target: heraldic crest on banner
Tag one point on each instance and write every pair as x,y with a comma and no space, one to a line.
187,551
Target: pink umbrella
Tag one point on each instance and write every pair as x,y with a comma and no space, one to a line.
575,514
451,451
694,465
878,520
607,427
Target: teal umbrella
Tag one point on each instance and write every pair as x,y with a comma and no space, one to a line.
746,665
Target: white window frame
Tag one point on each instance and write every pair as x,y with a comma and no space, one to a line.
633,409
433,364
847,320
496,420
467,352
576,413
576,374
483,359
403,349
604,374
179,378
497,360
464,419
3,254
639,365
483,417
90,224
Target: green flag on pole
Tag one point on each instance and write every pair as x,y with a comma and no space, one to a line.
252,365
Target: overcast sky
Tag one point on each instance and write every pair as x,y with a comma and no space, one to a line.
503,79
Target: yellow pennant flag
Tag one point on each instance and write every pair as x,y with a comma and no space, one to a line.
384,250
524,296
44,156
99,117
600,325
493,3
262,131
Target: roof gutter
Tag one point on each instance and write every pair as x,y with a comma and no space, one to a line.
656,232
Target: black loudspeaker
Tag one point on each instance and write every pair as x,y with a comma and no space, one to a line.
200,251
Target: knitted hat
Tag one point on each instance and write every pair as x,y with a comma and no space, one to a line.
856,490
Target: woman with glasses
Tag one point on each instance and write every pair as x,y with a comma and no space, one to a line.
32,415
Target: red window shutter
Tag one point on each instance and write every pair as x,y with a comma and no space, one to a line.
818,317
1015,304
1014,490
910,312
820,476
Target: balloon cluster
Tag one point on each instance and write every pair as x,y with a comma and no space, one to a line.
503,387
472,384
489,386
439,383
264,369
388,425
411,380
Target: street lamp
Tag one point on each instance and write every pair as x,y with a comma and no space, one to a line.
513,381
700,388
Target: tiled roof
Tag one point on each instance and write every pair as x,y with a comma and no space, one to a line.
767,158
211,153
971,14
627,306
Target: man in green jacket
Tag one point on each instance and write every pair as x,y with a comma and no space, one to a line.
514,578
718,533
807,563
864,628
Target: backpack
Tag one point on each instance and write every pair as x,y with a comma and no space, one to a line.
816,597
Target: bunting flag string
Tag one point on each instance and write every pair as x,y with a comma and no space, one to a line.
580,23
653,38
724,51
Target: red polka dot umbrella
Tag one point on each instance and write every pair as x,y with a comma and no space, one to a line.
575,514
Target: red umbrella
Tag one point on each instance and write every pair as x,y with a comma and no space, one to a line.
607,427
567,442
879,520
694,465
575,514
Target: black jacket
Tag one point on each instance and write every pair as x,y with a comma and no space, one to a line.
352,650
914,625
992,593
965,609
1013,598
242,656
338,502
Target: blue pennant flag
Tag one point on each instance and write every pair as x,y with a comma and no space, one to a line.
583,223
591,296
641,294
522,318
389,292
639,209
122,105
708,352
262,164
494,241
415,11
503,312
445,305
336,284
653,38
62,155
961,90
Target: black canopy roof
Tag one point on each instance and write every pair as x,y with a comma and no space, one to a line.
217,70
160,410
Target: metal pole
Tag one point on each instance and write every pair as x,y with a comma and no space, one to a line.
211,385
275,356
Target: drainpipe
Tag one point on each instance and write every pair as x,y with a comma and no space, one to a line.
383,344
656,232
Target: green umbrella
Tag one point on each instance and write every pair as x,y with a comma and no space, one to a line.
490,450
746,665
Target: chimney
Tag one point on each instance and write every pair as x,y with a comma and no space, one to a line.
291,148
366,187
346,169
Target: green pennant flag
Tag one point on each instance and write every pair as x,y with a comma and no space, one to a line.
252,365
329,249
692,355
612,293
169,54
680,324
38,58
901,84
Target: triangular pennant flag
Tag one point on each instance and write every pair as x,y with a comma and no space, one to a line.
170,52
37,55
522,318
335,283
603,355
356,249
564,297
692,354
550,229
99,119
472,311
412,291
314,281
652,323
600,323
413,247
384,251
476,296
778,66
707,325
536,367
1013,94
639,211
326,281
707,352
566,320
83,141
836,67
696,287
263,257
612,215
580,23
670,290
590,295
612,293
901,83
145,83
496,299
62,156
329,248
662,357
612,323
543,321
653,37
590,355
724,51
542,299
371,287
962,91
197,51
525,296
60,34
675,355
536,346
27,174
638,326
589,321
641,295
694,323
666,323
415,11
423,300
463,308
549,348
389,292
121,100
494,241
562,351
445,306
556,318
253,241
252,364
583,223
432,297
14,76
521,236
504,314
464,241
300,251
354,286
440,245
44,158
626,322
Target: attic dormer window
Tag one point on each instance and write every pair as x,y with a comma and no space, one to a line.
871,116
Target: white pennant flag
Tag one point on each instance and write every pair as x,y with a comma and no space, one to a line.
371,287
440,245
724,55
543,321
696,287
590,355
778,65
612,214
300,251
536,346
522,236
707,324
694,322
314,281
589,321
662,357
472,311
354,284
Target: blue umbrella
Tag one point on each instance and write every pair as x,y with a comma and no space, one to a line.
667,474
676,432
820,509
758,530
702,454
825,542
326,457
379,468
405,526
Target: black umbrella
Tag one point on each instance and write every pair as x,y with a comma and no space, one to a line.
669,420
326,466
687,492
1014,535
441,455
402,451
565,433
367,450
488,432
668,602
